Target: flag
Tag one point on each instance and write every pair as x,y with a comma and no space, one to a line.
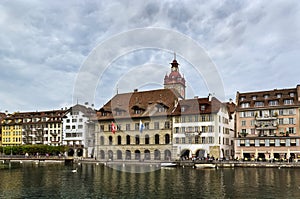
113,128
141,126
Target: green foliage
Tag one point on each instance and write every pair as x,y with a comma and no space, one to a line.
33,149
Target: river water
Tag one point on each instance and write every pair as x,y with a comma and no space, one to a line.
98,181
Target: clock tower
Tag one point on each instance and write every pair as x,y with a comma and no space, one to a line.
174,80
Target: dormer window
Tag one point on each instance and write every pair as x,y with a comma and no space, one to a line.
183,109
137,111
202,108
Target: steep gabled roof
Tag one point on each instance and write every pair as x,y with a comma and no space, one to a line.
197,106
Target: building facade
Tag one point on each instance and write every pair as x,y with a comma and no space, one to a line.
136,126
43,127
203,128
268,124
79,131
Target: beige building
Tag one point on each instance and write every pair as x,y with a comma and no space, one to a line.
268,124
136,126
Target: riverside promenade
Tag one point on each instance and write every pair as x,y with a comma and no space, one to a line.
181,163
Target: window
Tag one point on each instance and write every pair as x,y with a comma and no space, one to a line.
176,140
273,103
156,139
128,140
291,120
147,139
182,140
176,129
291,130
266,96
101,128
242,98
210,128
80,126
202,118
202,107
146,125
203,129
197,140
245,105
280,120
127,127
258,104
292,94
136,126
68,120
196,128
182,129
110,140
254,97
278,95
182,109
156,125
80,120
243,122
74,120
288,101
137,140
119,140
68,127
167,125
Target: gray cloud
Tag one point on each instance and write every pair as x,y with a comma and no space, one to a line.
254,44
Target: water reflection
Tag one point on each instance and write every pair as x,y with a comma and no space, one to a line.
96,181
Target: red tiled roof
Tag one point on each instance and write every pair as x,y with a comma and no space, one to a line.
193,106
146,101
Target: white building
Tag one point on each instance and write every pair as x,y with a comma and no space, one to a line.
79,131
203,127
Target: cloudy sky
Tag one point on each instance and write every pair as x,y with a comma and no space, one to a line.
45,47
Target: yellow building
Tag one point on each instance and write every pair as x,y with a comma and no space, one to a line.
12,130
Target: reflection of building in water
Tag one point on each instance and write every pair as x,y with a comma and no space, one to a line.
268,124
163,125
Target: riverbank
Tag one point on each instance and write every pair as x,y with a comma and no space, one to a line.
188,163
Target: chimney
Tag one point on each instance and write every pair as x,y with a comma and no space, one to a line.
209,97
196,97
135,90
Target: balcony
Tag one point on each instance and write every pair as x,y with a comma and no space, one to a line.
264,118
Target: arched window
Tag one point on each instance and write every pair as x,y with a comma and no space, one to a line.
128,155
119,155
119,140
102,154
137,154
156,154
167,139
110,140
137,139
147,154
156,139
110,155
128,140
147,139
167,155
101,140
